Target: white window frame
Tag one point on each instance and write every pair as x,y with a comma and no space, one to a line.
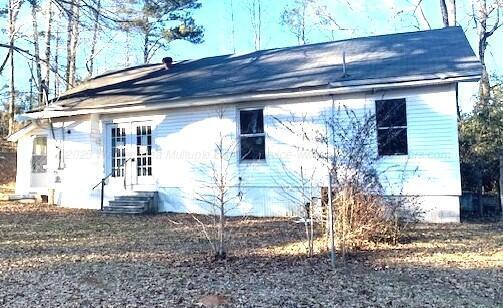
387,128
32,154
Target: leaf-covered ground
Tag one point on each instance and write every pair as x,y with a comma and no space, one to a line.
75,258
8,174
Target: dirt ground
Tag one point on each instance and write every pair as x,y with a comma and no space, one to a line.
76,258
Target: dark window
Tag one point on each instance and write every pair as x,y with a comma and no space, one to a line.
391,118
252,136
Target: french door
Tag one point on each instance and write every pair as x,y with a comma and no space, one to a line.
129,155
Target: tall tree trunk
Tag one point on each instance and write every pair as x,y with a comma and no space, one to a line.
484,86
233,30
12,91
48,40
69,13
38,67
73,35
255,10
501,182
128,49
445,14
57,80
90,66
452,12
145,48
481,17
448,11
13,10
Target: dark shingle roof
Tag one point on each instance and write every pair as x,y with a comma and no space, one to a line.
433,54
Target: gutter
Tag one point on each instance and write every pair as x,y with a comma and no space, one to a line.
334,89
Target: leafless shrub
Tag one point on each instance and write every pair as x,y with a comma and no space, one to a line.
219,192
299,186
346,149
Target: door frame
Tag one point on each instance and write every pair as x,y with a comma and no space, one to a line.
39,181
130,181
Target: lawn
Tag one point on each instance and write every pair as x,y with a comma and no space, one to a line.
76,258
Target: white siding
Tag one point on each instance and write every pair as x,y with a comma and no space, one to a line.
24,154
23,172
81,163
184,141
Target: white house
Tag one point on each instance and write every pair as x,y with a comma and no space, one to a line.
149,126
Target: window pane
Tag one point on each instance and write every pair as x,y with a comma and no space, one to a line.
40,146
392,141
39,155
251,121
253,147
391,113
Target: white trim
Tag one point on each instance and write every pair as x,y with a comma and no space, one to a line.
22,132
228,99
239,135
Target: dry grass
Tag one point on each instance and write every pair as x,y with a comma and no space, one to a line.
62,257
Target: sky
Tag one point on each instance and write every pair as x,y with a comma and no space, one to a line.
356,17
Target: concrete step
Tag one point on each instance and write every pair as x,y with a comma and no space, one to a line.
132,198
137,202
149,194
123,210
130,203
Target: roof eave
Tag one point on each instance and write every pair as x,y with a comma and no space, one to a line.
332,89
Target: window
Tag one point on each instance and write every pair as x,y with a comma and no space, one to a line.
252,136
39,155
391,116
118,151
144,150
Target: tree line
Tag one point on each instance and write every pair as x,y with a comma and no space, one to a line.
55,49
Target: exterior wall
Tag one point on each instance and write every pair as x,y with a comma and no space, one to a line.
184,142
23,174
80,165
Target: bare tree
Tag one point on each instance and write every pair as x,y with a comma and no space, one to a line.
13,11
416,12
295,19
255,11
35,5
451,8
448,11
233,30
72,40
445,14
57,41
299,183
220,190
94,41
48,42
483,15
344,145
328,19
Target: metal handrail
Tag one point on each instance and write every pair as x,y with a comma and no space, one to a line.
103,180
